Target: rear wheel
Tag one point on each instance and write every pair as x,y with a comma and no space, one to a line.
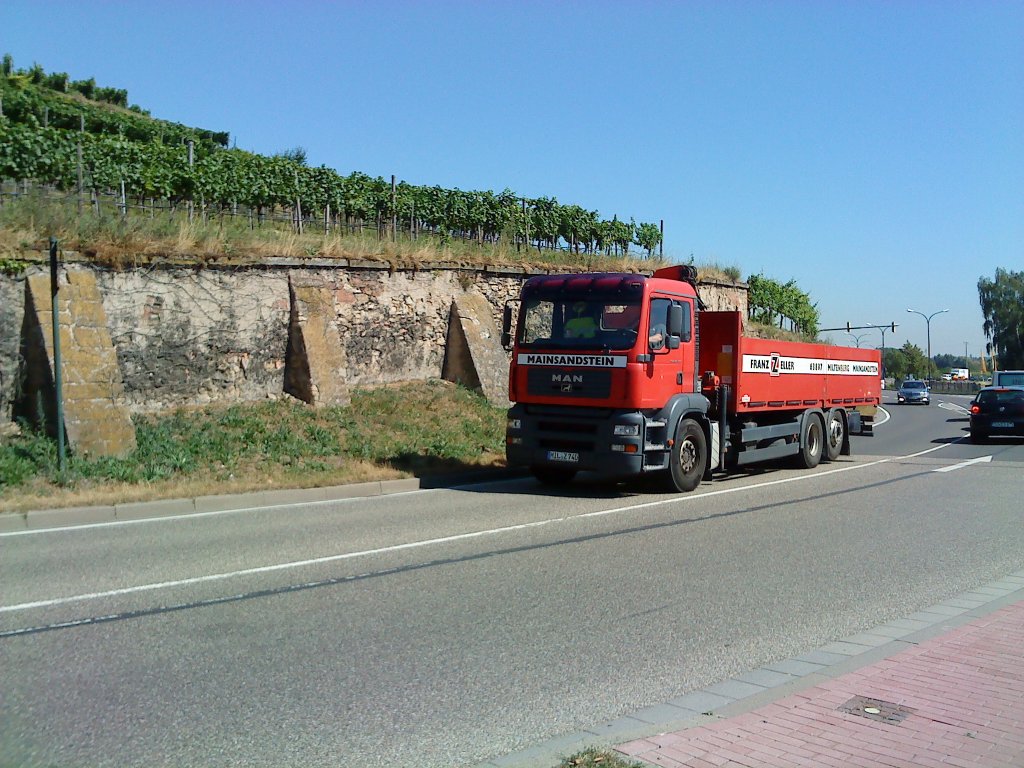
812,442
688,457
835,434
553,475
978,437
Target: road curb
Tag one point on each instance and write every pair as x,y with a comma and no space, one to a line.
61,517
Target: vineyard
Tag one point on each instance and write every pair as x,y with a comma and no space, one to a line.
87,147
52,134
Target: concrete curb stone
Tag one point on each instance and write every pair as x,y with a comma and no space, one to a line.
69,516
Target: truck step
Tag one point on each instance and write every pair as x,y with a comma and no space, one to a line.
655,447
655,467
655,424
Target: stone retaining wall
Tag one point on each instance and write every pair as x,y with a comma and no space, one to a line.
186,335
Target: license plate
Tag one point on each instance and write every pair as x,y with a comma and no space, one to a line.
563,456
1002,424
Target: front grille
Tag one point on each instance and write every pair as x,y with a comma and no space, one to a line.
569,383
561,434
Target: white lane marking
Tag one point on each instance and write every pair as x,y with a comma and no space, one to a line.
219,512
962,464
955,407
887,417
692,497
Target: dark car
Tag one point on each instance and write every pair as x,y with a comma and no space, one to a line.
997,411
913,391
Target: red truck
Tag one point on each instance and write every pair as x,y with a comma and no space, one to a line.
626,375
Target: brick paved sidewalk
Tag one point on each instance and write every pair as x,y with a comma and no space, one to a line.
954,700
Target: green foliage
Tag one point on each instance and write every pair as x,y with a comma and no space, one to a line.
598,758
910,360
1002,305
26,457
33,98
11,267
771,302
648,236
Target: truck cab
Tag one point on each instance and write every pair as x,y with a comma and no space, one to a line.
602,364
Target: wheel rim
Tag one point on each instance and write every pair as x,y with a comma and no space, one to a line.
814,441
835,431
687,456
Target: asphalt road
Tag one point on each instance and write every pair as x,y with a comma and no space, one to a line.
444,627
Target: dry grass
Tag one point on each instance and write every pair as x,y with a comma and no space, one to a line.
120,242
42,494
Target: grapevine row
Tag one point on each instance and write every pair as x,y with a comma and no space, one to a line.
228,177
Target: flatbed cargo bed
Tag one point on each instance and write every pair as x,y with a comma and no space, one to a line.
770,375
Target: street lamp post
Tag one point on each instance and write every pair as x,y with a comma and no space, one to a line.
928,328
857,338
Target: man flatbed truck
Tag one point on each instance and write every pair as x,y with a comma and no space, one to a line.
658,385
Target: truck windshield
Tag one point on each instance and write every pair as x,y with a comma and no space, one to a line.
579,323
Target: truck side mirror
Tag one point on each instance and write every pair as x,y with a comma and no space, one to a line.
506,327
675,326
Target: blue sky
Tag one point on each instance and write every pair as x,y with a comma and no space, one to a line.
872,151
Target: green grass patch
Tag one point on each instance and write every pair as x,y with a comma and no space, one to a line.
598,758
415,428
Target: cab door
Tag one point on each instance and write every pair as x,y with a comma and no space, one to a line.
672,366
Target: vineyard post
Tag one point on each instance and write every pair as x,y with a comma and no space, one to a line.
327,220
191,163
526,226
394,212
79,178
81,129
661,241
124,202
298,205
412,220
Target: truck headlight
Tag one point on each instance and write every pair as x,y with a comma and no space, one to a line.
626,430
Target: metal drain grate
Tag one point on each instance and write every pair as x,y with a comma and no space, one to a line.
876,709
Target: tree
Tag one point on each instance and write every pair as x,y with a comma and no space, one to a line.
1002,305
894,364
648,237
909,360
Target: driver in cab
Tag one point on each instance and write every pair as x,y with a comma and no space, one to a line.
582,324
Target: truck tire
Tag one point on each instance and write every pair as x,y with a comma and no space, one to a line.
812,442
688,457
835,434
553,475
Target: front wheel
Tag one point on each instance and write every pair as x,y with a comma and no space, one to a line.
688,457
